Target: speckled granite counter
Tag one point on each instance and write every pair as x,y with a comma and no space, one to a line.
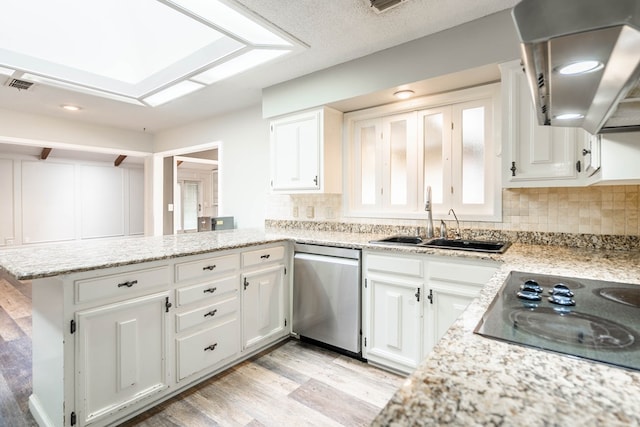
471,380
36,261
467,379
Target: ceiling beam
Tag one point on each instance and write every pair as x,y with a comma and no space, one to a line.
45,153
119,160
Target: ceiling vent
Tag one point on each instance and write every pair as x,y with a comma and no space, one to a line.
19,84
383,5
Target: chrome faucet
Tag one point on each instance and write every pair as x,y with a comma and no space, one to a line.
457,232
427,207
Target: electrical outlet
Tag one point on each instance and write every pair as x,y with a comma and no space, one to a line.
170,207
310,212
294,212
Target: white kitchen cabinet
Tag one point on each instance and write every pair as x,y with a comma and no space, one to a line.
306,152
122,353
613,158
410,301
393,290
263,306
534,155
111,342
451,284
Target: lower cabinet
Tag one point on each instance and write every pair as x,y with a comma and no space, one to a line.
122,353
263,306
393,311
110,343
410,301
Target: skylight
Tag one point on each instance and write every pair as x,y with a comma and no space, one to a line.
145,51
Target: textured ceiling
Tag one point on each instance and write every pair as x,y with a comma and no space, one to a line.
335,31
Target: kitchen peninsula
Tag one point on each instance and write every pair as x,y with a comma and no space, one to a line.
466,380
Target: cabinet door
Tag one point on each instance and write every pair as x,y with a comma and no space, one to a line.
538,154
121,355
295,151
386,163
446,302
395,317
263,306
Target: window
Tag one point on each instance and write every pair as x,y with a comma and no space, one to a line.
448,143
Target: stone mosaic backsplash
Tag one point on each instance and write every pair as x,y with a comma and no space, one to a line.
596,210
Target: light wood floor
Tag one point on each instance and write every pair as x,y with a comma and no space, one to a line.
293,384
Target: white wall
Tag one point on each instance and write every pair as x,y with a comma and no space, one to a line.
243,156
61,199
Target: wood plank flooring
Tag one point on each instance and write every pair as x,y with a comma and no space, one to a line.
293,384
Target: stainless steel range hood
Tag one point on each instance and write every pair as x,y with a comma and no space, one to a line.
556,33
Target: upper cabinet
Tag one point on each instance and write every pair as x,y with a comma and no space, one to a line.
306,152
534,155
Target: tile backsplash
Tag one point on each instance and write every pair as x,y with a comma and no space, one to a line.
611,210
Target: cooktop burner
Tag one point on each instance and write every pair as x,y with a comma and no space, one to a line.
593,319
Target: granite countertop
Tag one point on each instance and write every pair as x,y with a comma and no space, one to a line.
37,261
467,379
472,380
44,260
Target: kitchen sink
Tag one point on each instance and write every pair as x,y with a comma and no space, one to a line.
455,244
400,240
468,245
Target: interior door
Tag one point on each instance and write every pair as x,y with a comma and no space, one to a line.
191,205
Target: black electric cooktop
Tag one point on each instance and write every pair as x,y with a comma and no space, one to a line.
592,319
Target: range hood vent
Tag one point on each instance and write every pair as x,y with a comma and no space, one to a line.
557,33
19,84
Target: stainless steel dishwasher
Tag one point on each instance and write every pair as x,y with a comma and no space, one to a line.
326,297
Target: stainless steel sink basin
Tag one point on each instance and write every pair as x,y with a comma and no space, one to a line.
468,245
455,244
400,240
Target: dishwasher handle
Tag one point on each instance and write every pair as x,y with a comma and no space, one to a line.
326,259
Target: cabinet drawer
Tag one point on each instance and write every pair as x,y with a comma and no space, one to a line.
207,314
207,267
209,289
207,348
397,265
263,256
461,272
121,284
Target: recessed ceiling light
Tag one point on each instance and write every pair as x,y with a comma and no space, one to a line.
404,94
580,67
71,107
569,116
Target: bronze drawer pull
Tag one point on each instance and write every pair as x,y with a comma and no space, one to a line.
211,313
265,256
211,347
210,290
209,267
128,284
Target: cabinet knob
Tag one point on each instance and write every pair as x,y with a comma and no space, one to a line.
513,168
417,294
265,256
209,267
211,313
211,347
210,290
246,283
